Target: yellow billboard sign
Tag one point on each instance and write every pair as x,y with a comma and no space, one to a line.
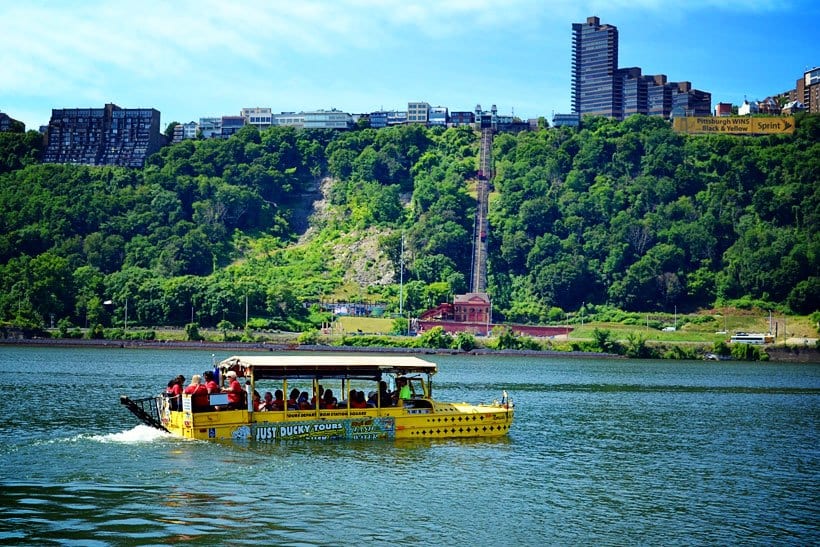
736,125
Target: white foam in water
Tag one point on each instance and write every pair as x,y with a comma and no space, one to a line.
139,434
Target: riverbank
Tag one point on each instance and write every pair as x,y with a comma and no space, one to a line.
788,354
272,347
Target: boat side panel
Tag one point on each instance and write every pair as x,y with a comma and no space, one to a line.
442,420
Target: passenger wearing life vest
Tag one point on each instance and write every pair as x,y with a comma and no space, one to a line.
404,389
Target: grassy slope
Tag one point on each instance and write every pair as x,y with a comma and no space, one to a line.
736,320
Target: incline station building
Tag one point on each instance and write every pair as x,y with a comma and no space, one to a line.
472,312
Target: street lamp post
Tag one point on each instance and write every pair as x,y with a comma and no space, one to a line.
125,317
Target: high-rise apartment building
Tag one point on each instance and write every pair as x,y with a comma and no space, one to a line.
103,136
595,82
600,88
635,91
690,102
808,90
7,123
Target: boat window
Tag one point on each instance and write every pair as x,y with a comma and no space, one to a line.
417,387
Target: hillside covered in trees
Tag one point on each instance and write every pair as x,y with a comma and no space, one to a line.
627,214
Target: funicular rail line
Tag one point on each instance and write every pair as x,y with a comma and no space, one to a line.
478,282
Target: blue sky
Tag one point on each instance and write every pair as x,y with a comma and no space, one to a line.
197,58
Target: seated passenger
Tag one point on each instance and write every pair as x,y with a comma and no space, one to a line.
372,399
169,393
314,398
328,400
257,400
234,391
385,398
211,386
278,402
210,383
174,391
293,400
404,389
357,399
198,393
304,404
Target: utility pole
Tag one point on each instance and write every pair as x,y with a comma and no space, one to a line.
401,277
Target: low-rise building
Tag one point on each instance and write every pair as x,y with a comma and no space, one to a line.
566,120
418,112
397,117
289,119
230,125
210,127
747,108
327,119
768,106
184,131
261,118
458,118
438,116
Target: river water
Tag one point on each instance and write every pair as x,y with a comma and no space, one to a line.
602,452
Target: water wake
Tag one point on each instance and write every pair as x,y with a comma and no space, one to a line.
139,434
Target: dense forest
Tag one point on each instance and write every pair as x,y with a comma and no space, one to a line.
625,214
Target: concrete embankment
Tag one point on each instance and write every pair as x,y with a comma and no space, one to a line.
789,354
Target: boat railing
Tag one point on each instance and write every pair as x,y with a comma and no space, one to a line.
146,409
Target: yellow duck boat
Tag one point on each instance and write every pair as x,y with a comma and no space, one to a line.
399,404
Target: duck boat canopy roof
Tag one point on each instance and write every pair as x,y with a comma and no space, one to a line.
366,367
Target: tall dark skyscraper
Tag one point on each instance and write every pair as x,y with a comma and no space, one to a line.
596,85
600,88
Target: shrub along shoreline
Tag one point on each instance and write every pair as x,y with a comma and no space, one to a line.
438,343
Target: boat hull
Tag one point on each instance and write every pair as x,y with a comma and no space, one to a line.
440,420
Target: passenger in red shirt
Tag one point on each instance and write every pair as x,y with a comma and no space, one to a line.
328,400
234,391
210,383
357,399
278,401
174,392
198,393
211,386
